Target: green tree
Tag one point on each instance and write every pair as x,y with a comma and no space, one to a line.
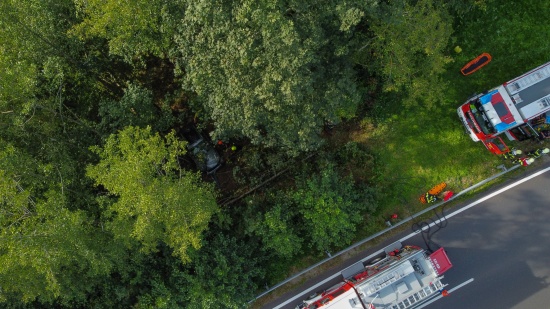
31,43
224,274
49,88
49,239
153,199
133,28
410,44
321,212
143,280
272,71
136,108
276,229
37,29
46,247
330,207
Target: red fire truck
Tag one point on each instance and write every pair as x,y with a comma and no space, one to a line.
512,108
404,278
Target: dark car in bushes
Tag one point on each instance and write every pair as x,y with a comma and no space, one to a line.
202,151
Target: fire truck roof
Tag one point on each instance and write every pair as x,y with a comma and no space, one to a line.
531,87
404,278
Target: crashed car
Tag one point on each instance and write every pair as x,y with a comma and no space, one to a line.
202,151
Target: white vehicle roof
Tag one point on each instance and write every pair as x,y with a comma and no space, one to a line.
531,91
403,279
403,285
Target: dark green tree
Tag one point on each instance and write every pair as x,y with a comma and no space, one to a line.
224,274
47,247
321,213
410,45
278,233
277,230
136,108
273,72
330,207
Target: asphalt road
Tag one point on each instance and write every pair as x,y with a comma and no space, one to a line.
499,244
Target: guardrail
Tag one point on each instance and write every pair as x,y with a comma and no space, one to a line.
357,244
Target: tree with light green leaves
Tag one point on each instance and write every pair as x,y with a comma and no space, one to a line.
150,198
133,29
274,71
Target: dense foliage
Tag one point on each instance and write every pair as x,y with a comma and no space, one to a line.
272,75
154,200
100,203
319,214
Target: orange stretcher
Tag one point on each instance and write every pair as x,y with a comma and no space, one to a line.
433,191
437,189
476,64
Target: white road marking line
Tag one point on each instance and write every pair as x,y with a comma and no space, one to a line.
481,200
461,285
450,291
416,233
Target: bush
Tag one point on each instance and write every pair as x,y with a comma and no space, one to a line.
330,207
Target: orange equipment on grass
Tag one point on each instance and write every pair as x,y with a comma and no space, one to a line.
438,188
476,64
433,191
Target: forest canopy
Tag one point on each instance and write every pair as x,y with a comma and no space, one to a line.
101,202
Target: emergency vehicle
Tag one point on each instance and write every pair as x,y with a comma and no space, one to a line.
404,278
512,108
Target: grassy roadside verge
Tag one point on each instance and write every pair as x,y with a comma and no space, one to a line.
418,147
